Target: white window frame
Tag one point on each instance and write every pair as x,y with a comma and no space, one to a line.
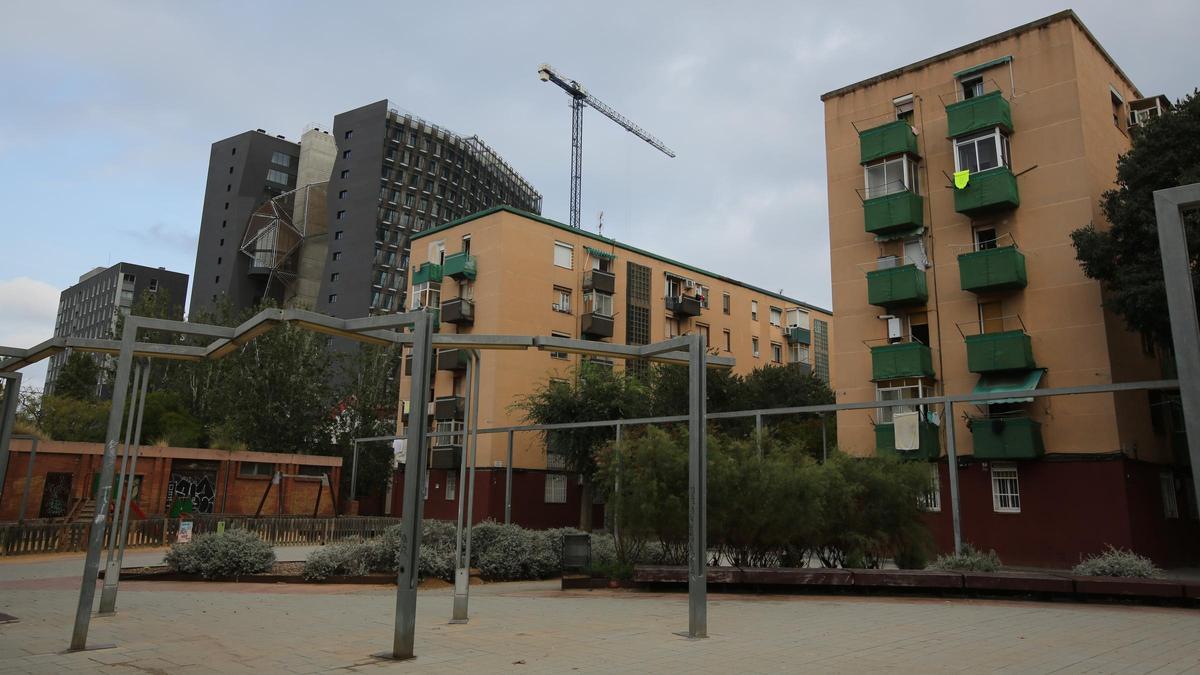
428,294
754,346
931,501
754,310
563,302
797,318
886,415
998,137
798,353
1003,501
425,486
908,177
776,352
1170,500
776,316
600,304
555,491
564,255
451,486
976,82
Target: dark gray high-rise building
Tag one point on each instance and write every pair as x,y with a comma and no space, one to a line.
243,172
90,308
335,237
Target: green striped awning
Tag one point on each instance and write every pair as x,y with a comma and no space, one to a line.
601,253
1016,382
982,67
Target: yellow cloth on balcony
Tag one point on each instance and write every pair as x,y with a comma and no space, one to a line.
908,434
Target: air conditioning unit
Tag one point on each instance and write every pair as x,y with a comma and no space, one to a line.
688,283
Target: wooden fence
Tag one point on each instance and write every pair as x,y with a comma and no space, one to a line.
48,537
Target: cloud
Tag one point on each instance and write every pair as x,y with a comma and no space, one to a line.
29,308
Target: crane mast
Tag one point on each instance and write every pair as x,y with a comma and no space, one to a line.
580,98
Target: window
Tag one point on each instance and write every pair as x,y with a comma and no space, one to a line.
428,294
451,485
556,489
918,327
798,353
728,340
895,394
1006,493
776,316
332,298
339,234
797,318
1166,484
337,255
776,352
595,302
315,470
932,499
562,356
154,282
246,469
1118,108
890,176
341,214
985,237
425,486
562,300
345,154
725,303
343,193
971,87
466,244
754,346
349,134
564,255
703,330
345,173
754,312
904,108
991,317
281,159
981,152
277,176
602,264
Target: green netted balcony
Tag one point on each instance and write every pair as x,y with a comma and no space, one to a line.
988,111
885,442
897,286
459,266
892,213
426,273
990,190
993,269
1006,438
901,360
893,138
992,352
799,335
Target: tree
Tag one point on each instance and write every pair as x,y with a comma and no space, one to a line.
78,377
368,397
69,419
594,392
1125,257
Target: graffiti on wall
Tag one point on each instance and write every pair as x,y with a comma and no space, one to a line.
56,495
195,481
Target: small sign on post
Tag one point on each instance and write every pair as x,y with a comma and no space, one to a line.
185,532
220,527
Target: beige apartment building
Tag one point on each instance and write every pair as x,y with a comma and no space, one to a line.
508,272
954,185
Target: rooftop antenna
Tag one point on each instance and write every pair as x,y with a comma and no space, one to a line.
600,223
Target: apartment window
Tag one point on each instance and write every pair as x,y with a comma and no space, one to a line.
562,356
427,295
754,313
564,255
218,260
1006,493
349,134
598,303
337,255
1170,501
985,237
776,352
981,152
338,234
282,159
1118,108
343,193
233,151
890,176
971,87
217,280
725,303
798,353
776,316
451,486
886,415
904,108
556,488
226,208
332,298
425,486
345,173
230,187
703,330
672,328
335,276
754,346
154,282
932,499
248,469
341,214
345,154
221,243
466,244
390,155
562,300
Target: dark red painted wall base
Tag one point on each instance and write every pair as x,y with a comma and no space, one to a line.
529,508
1069,510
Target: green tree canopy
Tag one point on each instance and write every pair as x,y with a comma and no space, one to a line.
1125,257
77,378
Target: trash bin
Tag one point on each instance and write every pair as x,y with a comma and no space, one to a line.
577,552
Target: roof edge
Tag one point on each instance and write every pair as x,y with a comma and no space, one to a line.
613,242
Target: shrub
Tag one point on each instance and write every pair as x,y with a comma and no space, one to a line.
1116,562
968,559
355,557
232,553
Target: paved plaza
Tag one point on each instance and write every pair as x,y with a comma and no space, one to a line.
170,627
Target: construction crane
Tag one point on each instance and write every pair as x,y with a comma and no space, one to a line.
579,98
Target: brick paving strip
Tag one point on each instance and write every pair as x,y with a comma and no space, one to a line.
180,627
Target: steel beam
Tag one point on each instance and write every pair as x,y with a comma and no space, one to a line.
952,467
697,493
508,481
462,571
120,526
111,540
1169,206
8,420
91,565
680,343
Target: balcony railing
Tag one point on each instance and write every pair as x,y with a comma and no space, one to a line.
994,352
449,408
1006,438
458,311
595,280
901,360
446,457
452,359
893,213
897,286
459,266
799,335
930,445
889,139
427,272
987,191
976,114
596,325
992,269
684,305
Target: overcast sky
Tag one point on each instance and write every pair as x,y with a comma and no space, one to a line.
107,112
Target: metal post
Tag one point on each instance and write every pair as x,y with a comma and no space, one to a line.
952,466
616,516
697,492
8,416
1169,205
758,433
111,541
33,443
824,440
473,437
414,473
112,575
91,565
354,474
462,572
508,482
